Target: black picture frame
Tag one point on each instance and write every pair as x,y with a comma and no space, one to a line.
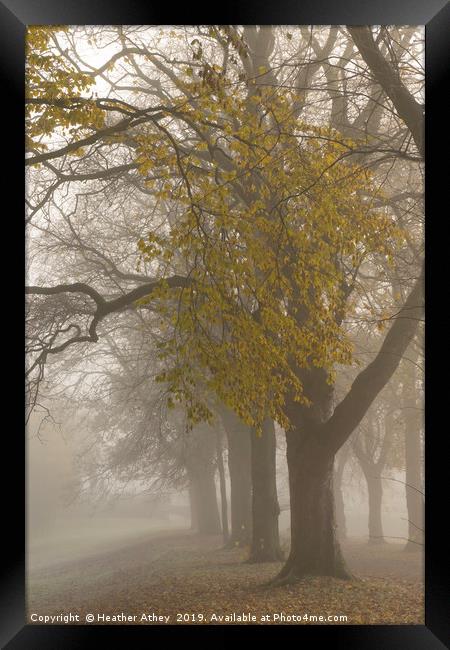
15,15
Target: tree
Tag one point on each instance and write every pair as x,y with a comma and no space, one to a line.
239,450
201,472
340,464
371,448
413,456
265,545
223,488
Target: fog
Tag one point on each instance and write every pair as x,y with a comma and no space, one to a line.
63,529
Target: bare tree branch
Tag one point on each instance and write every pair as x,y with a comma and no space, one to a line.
389,79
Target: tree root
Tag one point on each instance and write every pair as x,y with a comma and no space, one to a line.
292,576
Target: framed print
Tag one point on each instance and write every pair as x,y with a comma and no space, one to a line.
232,231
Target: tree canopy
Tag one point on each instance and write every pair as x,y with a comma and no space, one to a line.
264,208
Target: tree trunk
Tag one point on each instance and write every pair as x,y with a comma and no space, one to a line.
414,500
315,549
223,489
240,487
375,492
238,438
205,499
371,472
265,545
413,462
200,465
341,523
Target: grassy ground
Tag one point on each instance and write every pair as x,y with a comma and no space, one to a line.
176,574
